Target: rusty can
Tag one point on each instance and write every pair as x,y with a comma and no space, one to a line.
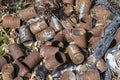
92,74
16,52
117,35
18,78
83,7
2,62
68,75
32,59
72,2
25,34
55,24
101,65
100,13
68,9
50,3
7,72
53,58
27,13
20,68
75,54
96,31
59,39
45,35
11,21
68,34
38,26
79,37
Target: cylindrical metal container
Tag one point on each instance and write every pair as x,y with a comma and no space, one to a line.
27,13
32,59
2,62
69,2
45,35
79,37
38,26
53,58
68,9
117,35
68,75
8,72
18,78
75,54
16,52
25,34
11,21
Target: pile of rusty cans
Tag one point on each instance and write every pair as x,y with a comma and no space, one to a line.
54,34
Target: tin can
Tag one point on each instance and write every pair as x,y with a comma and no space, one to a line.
25,34
117,35
16,52
18,78
11,22
27,13
75,54
32,59
72,2
68,9
38,26
79,37
45,35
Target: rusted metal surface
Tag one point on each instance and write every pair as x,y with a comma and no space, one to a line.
68,75
45,35
69,2
18,78
16,52
25,34
68,9
117,36
2,62
27,13
89,75
79,37
75,54
20,68
101,65
11,22
38,26
32,59
8,72
53,58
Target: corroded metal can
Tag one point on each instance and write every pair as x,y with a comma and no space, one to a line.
100,13
32,59
38,26
27,13
55,24
11,21
89,75
101,65
18,78
53,58
45,35
25,34
2,62
69,2
117,36
68,75
68,9
16,52
96,31
7,72
79,37
20,68
75,54
68,34
59,39
83,7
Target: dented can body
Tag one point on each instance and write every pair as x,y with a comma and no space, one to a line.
32,59
75,54
15,51
27,13
68,9
25,34
38,26
79,37
11,21
45,35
